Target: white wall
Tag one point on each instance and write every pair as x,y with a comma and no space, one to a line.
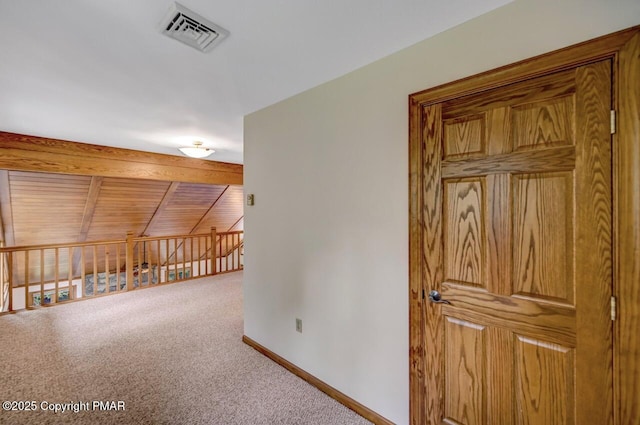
327,239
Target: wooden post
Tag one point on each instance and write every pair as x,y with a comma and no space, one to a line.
213,250
70,273
3,282
10,274
26,279
129,260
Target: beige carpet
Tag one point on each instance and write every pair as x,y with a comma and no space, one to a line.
173,354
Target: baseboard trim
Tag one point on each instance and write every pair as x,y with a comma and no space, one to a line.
341,398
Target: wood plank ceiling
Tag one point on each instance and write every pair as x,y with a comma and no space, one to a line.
41,208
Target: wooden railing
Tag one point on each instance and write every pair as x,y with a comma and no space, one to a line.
41,275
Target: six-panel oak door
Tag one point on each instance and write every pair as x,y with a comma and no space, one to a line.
517,237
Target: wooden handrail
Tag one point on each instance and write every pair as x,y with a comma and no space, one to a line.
52,273
60,245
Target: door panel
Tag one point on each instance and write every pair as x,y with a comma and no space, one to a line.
544,371
543,236
464,244
465,368
517,236
543,124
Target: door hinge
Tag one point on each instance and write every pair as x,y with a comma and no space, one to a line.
613,308
613,121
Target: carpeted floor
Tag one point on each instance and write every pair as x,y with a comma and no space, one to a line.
172,355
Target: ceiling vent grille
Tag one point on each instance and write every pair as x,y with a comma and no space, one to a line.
192,29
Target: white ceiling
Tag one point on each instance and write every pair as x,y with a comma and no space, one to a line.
100,71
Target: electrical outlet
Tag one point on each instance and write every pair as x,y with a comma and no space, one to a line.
250,199
299,325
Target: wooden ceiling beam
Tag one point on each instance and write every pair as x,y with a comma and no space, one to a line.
90,206
31,153
206,214
235,224
87,217
162,206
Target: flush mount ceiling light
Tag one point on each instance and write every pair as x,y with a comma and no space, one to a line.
196,151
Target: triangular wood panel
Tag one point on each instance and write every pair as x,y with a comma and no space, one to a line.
47,208
222,216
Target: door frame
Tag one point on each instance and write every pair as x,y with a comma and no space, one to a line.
623,49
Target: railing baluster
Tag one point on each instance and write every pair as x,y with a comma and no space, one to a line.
10,274
158,263
184,258
165,260
107,277
129,261
56,259
175,257
70,272
214,236
95,271
191,257
226,250
26,279
200,255
118,266
212,253
235,251
83,270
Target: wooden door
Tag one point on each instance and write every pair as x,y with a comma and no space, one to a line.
516,235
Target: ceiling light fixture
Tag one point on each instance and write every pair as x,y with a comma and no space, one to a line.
196,151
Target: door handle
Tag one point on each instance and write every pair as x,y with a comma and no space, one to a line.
436,298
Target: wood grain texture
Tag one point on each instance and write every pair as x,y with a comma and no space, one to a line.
559,159
527,316
125,204
168,196
464,233
544,383
416,289
464,137
465,368
87,216
341,398
498,131
626,207
205,216
46,209
500,372
498,224
543,259
31,153
432,251
589,51
594,275
103,208
226,209
559,84
627,210
6,209
90,207
543,124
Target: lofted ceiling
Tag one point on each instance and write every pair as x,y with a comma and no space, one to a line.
100,72
44,208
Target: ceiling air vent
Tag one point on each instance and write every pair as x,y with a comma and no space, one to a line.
192,29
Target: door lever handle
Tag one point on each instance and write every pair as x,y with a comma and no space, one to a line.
436,298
